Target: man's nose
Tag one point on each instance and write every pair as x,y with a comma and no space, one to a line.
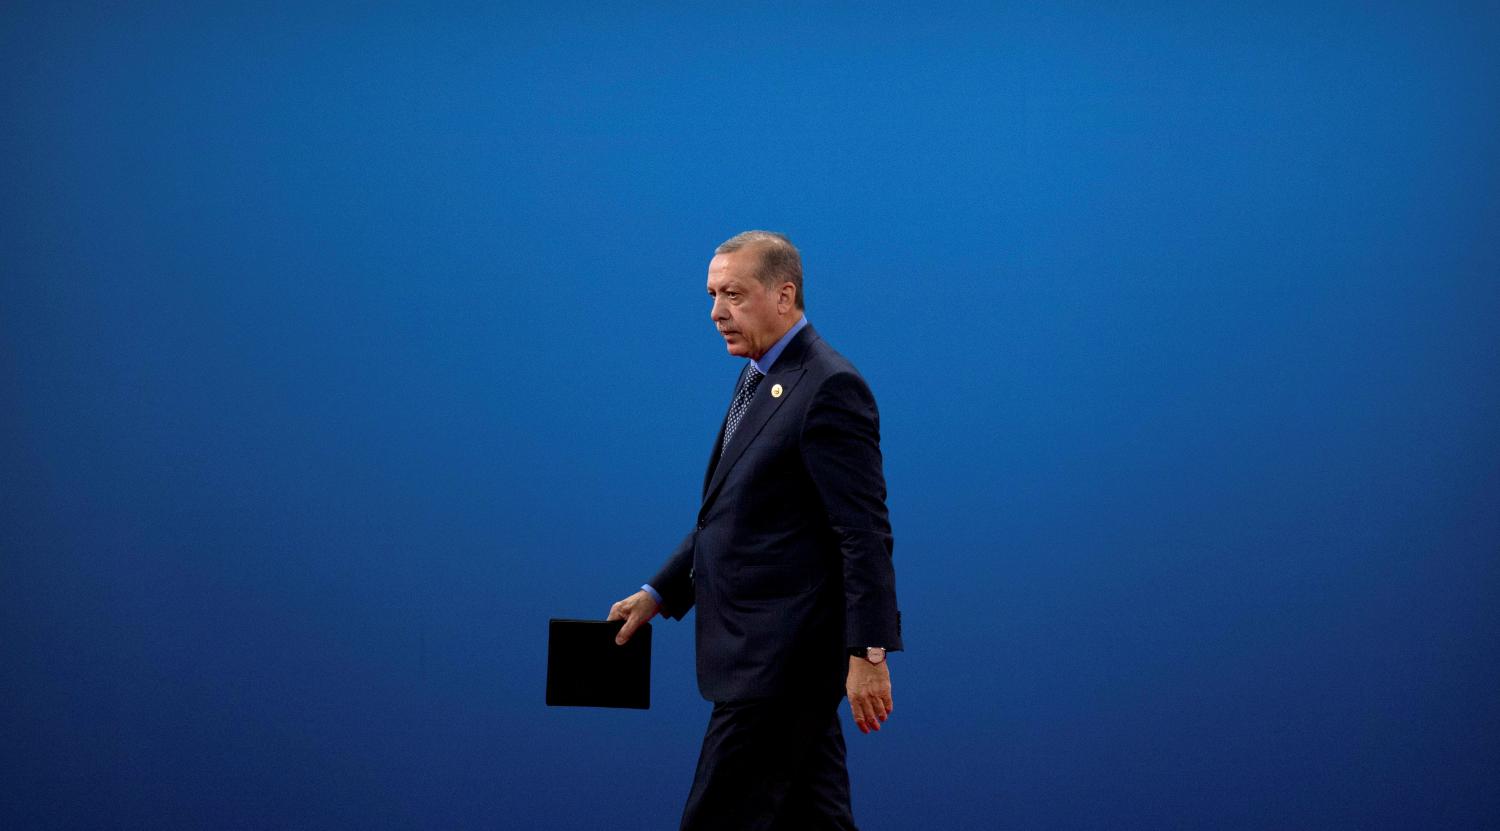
716,312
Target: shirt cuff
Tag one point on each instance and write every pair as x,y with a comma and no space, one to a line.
655,595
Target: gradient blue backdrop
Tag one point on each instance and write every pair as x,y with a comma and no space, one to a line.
341,347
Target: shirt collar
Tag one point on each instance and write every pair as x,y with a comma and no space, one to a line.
763,364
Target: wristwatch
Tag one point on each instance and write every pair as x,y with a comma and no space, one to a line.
873,654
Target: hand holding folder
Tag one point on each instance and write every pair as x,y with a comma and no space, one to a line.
586,668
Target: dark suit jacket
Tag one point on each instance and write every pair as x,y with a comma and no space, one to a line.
790,562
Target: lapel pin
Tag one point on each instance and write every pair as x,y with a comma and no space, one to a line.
775,390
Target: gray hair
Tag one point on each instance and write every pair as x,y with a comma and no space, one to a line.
780,261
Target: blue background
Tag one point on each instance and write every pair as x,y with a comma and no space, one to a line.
341,347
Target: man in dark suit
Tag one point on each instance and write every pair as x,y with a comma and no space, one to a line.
789,563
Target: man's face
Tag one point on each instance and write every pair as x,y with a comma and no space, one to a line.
750,316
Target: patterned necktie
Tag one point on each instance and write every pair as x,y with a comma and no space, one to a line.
740,404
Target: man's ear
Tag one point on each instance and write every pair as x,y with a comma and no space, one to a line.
786,298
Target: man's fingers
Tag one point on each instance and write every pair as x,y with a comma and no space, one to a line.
632,624
864,713
854,712
614,611
869,709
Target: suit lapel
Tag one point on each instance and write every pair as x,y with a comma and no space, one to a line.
713,458
786,373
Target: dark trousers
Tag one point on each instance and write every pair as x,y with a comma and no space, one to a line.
771,765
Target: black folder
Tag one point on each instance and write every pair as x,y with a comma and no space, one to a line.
585,668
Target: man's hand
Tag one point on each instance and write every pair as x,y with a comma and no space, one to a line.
869,689
637,609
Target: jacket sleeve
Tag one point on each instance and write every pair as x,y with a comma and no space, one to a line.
841,451
675,580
